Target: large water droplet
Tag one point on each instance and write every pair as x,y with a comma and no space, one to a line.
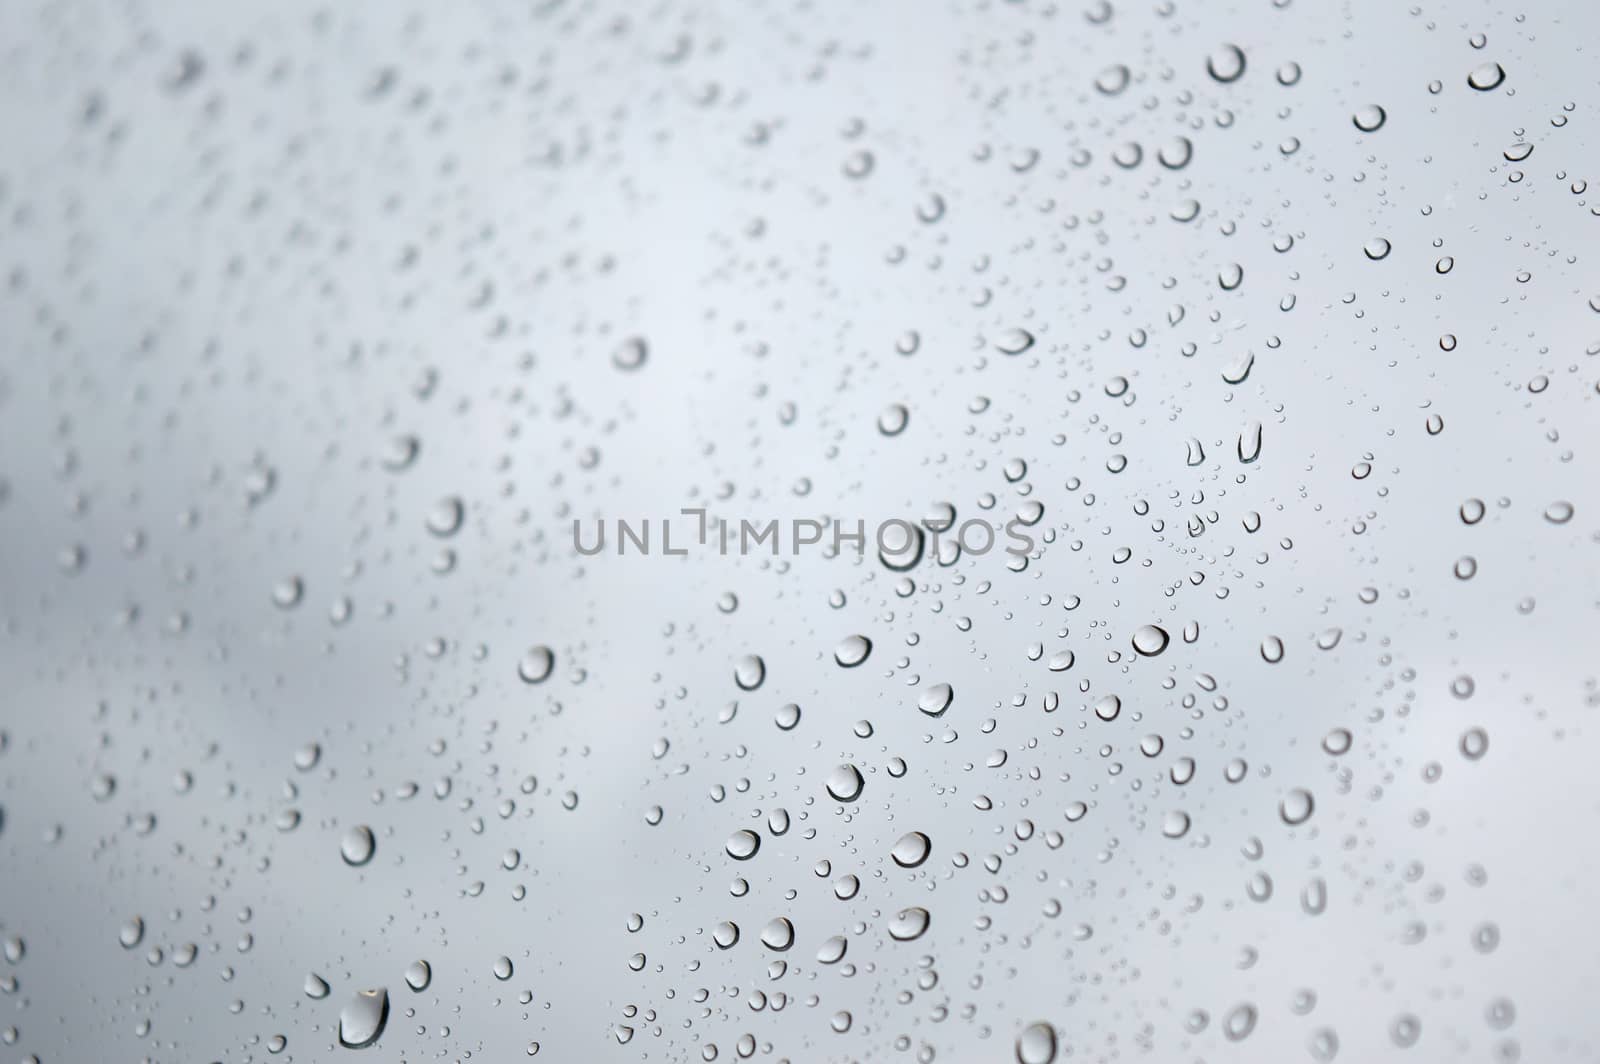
749,672
536,665
1226,64
852,651
357,846
934,700
909,924
844,783
911,850
1370,118
1296,806
778,934
1036,1044
361,1021
1150,640
1486,76
743,844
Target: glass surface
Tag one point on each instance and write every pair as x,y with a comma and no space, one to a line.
1107,496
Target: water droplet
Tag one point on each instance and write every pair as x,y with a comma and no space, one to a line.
934,700
361,1022
1405,1030
1226,64
1486,76
1250,443
852,651
418,975
1238,1024
446,517
912,849
132,932
1558,512
1370,119
894,419
1014,341
1113,79
536,665
1176,153
630,354
287,593
909,924
1108,707
778,934
358,846
844,783
1150,640
1036,1044
743,844
749,672
1296,807
1235,372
